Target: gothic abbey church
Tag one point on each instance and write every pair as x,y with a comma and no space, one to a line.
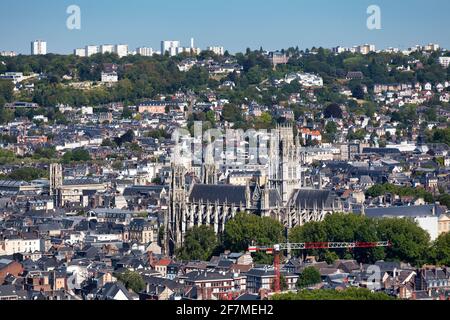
206,202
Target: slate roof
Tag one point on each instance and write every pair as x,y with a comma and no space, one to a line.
248,297
110,290
137,190
274,198
221,193
78,182
207,276
403,211
10,290
310,198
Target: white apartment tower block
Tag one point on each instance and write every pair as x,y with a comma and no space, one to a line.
170,46
107,48
220,51
38,47
91,50
121,50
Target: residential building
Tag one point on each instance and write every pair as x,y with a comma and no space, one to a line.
110,77
121,50
38,47
107,48
220,51
170,46
144,51
444,62
91,50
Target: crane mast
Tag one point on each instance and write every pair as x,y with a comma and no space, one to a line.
277,248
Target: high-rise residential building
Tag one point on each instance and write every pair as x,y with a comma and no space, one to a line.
218,50
444,62
107,48
121,50
8,54
80,52
170,46
431,47
38,47
144,51
91,50
366,48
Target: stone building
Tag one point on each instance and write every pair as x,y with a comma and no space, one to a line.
212,204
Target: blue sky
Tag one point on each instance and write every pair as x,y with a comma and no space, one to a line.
235,24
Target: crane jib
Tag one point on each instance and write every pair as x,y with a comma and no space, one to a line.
319,245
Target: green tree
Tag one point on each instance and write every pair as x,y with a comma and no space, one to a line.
440,250
131,280
310,276
26,174
128,137
246,229
330,131
76,155
358,92
7,157
333,110
231,113
6,115
444,199
45,152
283,283
329,294
199,244
410,243
127,113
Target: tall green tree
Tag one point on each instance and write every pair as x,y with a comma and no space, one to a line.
330,294
410,243
199,244
440,250
131,280
310,276
246,229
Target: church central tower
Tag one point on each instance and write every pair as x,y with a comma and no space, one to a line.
284,162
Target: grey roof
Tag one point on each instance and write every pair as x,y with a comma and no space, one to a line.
248,297
136,190
274,198
403,211
13,183
77,182
207,276
12,291
110,290
221,193
365,180
266,272
311,198
4,262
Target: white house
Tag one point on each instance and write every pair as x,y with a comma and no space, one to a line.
110,77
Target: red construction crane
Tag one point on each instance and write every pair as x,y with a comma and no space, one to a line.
277,248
